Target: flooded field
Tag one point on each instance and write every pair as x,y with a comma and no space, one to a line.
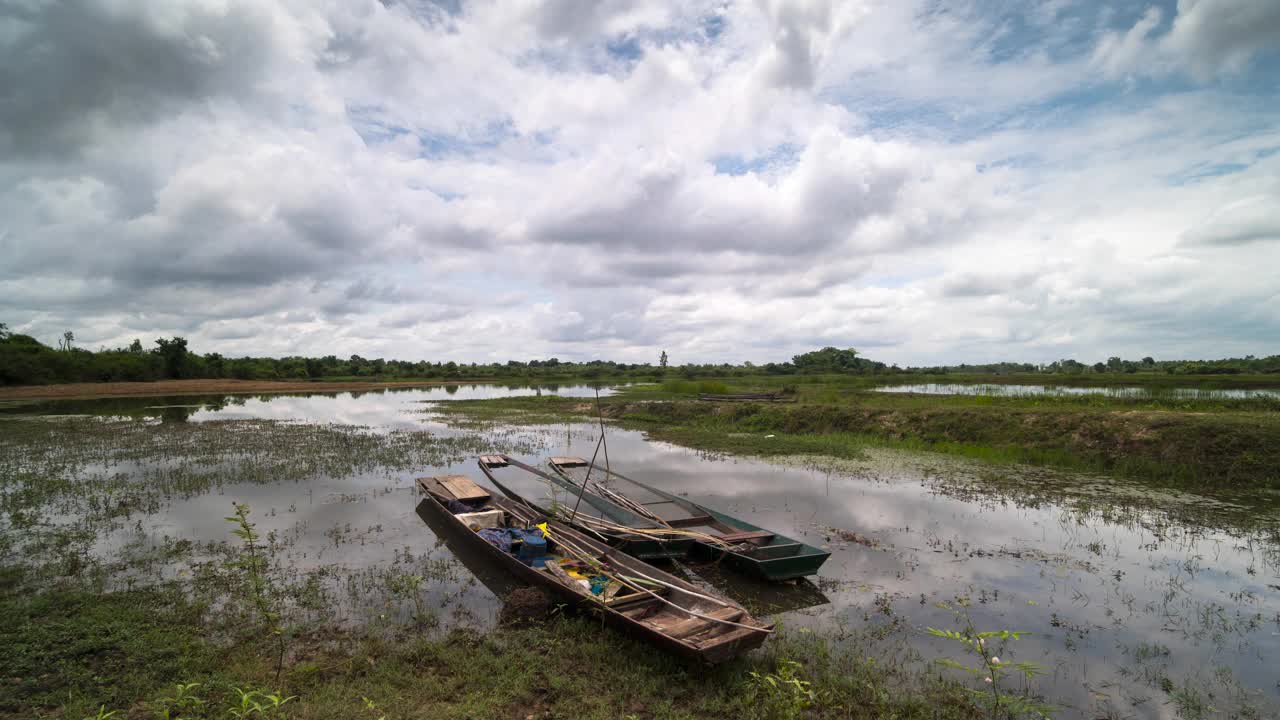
1130,393
1135,603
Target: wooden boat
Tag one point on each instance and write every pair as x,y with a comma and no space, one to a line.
645,547
633,596
744,547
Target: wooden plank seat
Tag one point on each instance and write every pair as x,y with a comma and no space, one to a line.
638,607
463,487
747,536
733,635
694,625
564,461
766,552
692,521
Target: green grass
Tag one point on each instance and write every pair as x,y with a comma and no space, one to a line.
1227,449
692,387
827,390
69,652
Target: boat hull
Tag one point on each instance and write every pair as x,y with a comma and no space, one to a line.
773,570
781,558
647,549
526,575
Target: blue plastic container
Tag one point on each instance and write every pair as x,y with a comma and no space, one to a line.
533,551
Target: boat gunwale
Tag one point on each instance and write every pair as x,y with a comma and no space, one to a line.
669,548
687,504
618,513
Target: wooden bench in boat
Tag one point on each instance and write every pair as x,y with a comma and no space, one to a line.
746,536
694,625
691,521
734,634
565,461
459,487
638,605
768,552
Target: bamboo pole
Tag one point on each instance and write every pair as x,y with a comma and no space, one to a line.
654,533
632,583
583,489
600,414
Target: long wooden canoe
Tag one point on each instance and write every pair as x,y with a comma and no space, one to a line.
744,547
635,597
644,547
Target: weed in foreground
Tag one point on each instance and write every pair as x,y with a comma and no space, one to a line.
256,568
996,699
782,694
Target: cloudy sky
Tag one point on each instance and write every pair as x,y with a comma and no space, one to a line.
926,181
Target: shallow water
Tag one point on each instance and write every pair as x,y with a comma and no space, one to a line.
1137,604
1132,393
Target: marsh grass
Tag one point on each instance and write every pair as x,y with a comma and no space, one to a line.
1201,450
693,387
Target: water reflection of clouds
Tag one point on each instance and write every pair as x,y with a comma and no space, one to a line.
390,409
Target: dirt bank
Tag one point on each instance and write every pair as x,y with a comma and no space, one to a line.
80,391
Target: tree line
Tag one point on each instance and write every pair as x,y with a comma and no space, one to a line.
24,360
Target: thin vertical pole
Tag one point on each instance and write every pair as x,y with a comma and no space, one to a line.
585,478
600,413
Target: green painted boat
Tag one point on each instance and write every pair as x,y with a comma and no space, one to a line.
505,472
755,551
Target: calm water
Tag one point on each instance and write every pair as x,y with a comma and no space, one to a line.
364,407
1137,393
1132,600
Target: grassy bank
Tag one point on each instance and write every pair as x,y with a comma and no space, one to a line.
1201,445
71,653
